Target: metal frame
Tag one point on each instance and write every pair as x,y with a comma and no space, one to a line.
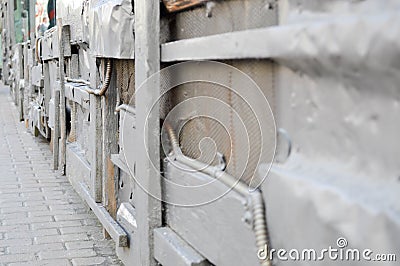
320,75
147,63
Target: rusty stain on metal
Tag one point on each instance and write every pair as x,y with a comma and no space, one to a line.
51,141
112,197
178,5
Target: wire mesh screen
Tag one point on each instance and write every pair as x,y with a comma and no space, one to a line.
214,141
125,70
223,16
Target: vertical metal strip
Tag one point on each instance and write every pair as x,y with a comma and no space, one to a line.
63,128
56,132
72,134
147,51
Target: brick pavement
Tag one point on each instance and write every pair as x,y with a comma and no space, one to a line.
42,220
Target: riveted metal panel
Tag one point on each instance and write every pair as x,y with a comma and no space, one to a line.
223,16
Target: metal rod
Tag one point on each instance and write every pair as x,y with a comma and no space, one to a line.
81,81
106,83
56,132
63,122
126,108
37,52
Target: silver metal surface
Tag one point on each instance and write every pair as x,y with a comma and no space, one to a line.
337,99
77,178
50,44
222,17
77,92
147,63
36,78
211,228
82,81
73,13
111,27
126,216
329,70
51,114
171,250
327,39
327,204
78,167
255,196
126,108
113,228
116,159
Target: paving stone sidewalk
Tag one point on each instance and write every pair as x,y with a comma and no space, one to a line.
42,220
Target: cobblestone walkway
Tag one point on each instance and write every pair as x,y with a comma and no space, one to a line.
42,220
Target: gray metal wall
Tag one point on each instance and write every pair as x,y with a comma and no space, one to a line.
328,70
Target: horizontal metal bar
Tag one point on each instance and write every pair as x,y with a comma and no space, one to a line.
110,225
117,161
243,44
78,167
172,250
126,108
80,81
320,40
77,92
